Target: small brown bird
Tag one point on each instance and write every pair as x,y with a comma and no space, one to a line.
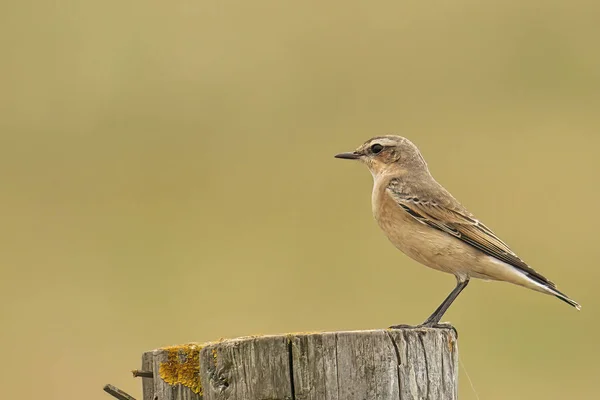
428,224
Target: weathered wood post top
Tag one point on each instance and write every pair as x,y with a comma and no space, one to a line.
398,364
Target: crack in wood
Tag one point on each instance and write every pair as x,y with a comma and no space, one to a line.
291,363
395,345
427,377
398,364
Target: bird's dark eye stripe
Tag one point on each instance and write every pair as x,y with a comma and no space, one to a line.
376,148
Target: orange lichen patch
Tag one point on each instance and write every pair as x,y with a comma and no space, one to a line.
182,366
450,344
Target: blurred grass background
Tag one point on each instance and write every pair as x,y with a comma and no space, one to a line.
167,175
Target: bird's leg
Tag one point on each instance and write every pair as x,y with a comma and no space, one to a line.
437,315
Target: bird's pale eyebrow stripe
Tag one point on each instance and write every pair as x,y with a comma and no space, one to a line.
384,142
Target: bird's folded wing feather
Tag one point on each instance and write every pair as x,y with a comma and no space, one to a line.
458,222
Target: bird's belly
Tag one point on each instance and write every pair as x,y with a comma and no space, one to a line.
429,246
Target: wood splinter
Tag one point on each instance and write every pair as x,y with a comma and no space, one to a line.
142,374
117,393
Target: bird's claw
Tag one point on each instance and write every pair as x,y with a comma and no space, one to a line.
426,325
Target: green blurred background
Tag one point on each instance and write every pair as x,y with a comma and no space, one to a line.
167,175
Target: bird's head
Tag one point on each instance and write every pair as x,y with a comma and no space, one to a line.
390,154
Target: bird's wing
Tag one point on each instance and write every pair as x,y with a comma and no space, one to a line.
451,217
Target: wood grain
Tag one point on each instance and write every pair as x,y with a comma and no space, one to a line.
395,364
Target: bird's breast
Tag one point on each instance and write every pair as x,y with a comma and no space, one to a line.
419,241
396,223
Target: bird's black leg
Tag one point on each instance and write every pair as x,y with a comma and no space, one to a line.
437,315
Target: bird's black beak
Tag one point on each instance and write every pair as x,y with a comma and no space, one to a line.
348,156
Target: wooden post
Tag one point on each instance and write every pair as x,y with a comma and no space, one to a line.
398,364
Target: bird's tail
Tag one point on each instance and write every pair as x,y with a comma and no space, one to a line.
543,285
530,279
565,298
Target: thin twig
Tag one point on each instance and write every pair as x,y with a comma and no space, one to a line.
117,393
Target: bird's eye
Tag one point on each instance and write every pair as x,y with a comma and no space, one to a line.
376,148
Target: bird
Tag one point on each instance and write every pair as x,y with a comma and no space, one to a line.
424,221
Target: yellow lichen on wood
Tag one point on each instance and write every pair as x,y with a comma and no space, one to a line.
182,366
